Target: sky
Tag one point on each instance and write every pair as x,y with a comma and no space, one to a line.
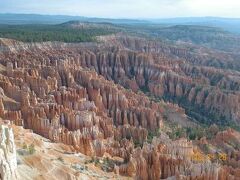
140,9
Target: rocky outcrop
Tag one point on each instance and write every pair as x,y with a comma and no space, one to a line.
8,158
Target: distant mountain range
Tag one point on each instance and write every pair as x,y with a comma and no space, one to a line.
229,24
58,19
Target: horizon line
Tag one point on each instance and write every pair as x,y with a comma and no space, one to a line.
122,18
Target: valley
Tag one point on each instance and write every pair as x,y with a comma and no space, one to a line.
139,106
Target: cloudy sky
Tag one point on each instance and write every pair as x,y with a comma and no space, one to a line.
125,8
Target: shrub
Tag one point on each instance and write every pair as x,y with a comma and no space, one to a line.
60,159
31,149
24,146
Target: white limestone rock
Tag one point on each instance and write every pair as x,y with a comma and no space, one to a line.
8,159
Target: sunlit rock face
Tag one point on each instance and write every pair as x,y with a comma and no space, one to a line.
91,99
8,157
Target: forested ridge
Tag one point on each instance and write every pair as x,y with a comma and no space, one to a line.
63,33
